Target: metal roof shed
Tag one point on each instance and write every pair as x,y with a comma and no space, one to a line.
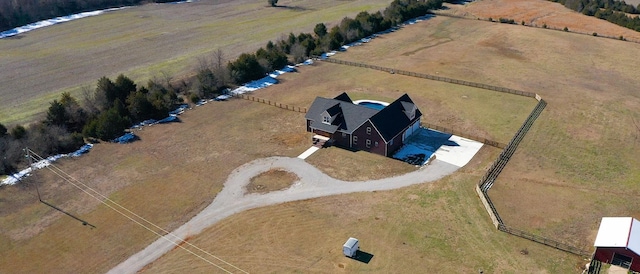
350,247
618,242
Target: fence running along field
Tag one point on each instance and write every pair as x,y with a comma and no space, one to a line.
464,135
496,168
431,77
543,240
490,177
271,103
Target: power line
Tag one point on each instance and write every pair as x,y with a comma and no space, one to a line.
48,204
68,178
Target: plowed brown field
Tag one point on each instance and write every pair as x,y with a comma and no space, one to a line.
538,13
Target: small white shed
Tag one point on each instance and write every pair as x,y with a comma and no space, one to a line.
350,247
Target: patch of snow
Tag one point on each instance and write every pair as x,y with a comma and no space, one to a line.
181,2
179,110
67,18
170,119
284,70
15,178
53,21
222,97
418,19
126,138
326,55
268,80
81,151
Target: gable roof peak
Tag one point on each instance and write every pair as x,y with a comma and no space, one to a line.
344,97
334,109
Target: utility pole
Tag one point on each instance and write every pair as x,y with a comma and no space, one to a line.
28,155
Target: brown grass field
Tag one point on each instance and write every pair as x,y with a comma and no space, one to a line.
577,164
272,180
145,42
538,13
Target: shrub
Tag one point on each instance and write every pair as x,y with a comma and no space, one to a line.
565,29
595,34
18,132
194,98
506,21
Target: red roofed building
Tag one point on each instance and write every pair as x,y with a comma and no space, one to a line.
618,242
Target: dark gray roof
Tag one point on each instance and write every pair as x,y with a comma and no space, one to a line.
389,121
350,118
344,97
392,119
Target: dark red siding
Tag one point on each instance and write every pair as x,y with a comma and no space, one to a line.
373,136
605,254
341,141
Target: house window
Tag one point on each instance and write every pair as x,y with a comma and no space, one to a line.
368,143
355,140
376,143
391,142
369,130
326,119
344,135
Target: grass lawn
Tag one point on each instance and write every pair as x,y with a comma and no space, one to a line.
576,165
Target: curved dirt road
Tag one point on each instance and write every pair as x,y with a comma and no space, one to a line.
232,199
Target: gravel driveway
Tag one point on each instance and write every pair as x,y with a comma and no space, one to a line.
312,184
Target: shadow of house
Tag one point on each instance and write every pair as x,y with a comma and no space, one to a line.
356,127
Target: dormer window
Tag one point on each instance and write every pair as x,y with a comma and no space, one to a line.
409,110
329,115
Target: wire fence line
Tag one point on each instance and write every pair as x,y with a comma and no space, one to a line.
271,103
465,135
497,21
496,168
498,165
545,241
431,77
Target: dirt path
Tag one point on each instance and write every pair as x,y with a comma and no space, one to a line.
312,184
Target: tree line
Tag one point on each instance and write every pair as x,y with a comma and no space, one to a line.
105,112
18,13
613,11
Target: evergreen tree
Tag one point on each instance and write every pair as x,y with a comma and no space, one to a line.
320,30
3,130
